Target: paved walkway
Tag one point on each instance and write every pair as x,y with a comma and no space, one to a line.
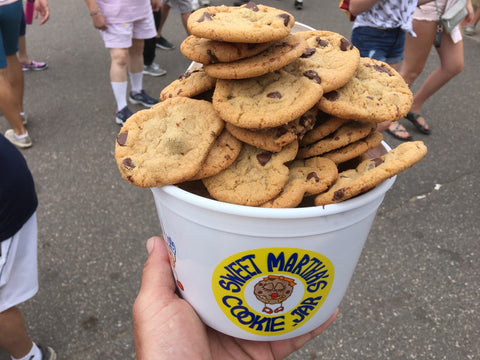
414,294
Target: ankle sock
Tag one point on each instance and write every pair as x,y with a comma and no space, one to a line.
21,136
34,354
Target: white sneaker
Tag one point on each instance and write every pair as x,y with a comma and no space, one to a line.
204,2
154,70
23,142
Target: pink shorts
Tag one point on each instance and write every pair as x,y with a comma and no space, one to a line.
119,36
18,266
429,10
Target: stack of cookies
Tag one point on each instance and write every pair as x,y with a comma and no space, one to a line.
268,117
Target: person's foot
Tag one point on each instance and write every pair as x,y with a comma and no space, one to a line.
142,98
22,141
399,132
419,122
163,43
153,70
469,30
47,353
35,66
122,115
298,4
204,2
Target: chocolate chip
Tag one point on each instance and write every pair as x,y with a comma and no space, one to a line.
345,45
381,69
213,58
308,52
332,95
280,132
264,157
205,16
313,175
377,161
274,95
127,162
122,138
286,18
321,42
312,75
339,194
252,6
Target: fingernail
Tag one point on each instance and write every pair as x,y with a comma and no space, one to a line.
150,244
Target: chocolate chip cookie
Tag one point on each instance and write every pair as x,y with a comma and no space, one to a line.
249,23
376,92
266,101
276,56
167,143
329,59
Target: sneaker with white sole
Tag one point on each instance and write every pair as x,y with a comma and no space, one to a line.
23,141
153,70
122,115
34,66
204,2
47,352
142,98
163,43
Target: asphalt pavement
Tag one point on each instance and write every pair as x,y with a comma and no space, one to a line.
414,294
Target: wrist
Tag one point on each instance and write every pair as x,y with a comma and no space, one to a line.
93,13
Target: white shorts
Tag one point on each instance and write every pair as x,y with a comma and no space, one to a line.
119,36
18,266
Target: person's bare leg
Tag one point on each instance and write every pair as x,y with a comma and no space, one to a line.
11,93
417,50
164,10
22,51
451,64
13,333
185,20
118,66
135,56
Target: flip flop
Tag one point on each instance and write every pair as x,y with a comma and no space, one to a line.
413,118
397,130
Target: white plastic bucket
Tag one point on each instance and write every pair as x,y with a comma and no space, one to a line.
225,257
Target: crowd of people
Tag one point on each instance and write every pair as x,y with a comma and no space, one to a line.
399,32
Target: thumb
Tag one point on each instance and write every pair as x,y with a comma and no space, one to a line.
157,278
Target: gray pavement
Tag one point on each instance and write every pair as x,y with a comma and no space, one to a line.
414,295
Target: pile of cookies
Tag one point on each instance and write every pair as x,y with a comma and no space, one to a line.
268,117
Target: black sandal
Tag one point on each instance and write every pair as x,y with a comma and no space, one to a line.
413,118
397,130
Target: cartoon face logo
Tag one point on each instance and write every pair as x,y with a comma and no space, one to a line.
273,290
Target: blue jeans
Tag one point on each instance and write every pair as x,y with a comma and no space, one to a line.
380,44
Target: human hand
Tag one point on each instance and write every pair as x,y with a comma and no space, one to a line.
41,7
99,22
156,5
166,326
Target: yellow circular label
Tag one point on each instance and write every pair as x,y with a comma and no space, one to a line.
272,291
